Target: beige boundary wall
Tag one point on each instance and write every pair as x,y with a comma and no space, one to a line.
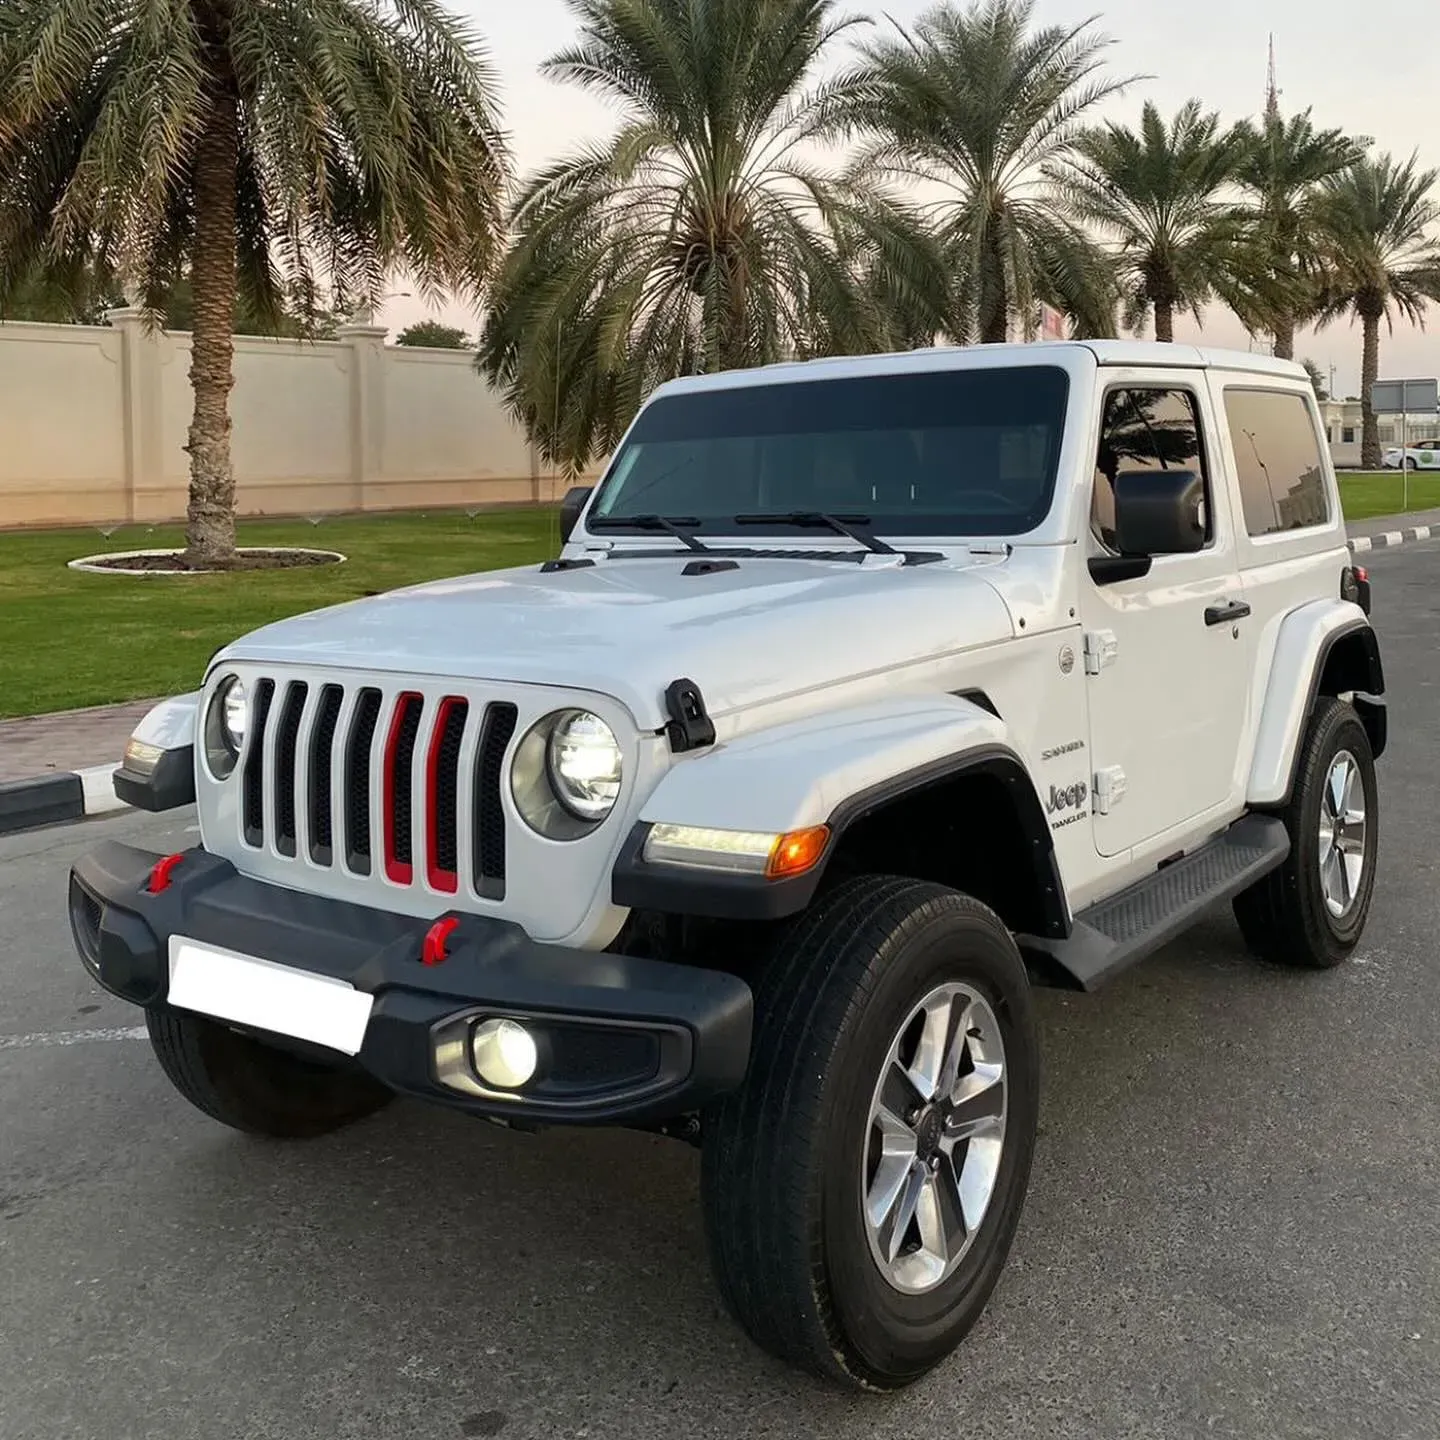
93,423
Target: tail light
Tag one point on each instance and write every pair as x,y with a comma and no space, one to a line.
1355,586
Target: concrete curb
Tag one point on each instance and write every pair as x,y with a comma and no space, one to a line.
1390,538
55,799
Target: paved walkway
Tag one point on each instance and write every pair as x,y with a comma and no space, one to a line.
1381,523
44,744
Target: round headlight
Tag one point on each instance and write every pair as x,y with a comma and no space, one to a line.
585,765
225,727
234,707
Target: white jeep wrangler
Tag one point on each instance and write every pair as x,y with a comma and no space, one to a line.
865,694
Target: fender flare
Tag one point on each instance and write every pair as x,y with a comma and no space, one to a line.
826,770
1307,639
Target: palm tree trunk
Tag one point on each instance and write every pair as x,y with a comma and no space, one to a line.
1285,337
1165,322
210,532
1369,374
994,312
994,302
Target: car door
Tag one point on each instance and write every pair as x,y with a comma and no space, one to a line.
1166,652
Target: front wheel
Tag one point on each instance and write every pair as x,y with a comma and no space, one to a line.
1312,910
250,1086
863,1187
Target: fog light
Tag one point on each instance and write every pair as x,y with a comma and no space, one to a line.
504,1053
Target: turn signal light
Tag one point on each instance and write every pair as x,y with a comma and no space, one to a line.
761,853
797,852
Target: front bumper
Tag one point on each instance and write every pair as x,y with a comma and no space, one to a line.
624,1040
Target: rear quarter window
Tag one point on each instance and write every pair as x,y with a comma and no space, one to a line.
1277,461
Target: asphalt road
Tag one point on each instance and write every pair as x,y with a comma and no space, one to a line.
1233,1229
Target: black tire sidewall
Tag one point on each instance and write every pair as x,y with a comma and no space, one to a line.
893,1335
1339,728
257,1088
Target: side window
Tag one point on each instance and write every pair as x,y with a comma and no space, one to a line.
1277,460
1143,430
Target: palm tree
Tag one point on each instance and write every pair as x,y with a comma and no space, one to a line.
973,105
1160,195
1283,164
1380,260
698,237
254,146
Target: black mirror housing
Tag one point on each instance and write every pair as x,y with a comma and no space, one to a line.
571,508
1160,512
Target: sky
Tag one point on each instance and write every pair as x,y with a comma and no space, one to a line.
1369,71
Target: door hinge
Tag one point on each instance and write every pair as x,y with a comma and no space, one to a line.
1109,789
1101,647
690,725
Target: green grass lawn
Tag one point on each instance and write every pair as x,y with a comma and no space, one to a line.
68,639
1382,492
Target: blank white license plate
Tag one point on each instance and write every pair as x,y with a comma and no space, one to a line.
240,988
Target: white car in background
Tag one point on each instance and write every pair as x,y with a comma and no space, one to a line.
1423,455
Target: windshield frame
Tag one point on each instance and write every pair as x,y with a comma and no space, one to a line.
1049,519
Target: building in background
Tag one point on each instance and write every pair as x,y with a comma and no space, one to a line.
1342,420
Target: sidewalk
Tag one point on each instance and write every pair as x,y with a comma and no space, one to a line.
41,745
1382,531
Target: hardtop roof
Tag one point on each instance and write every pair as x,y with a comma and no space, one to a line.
1107,353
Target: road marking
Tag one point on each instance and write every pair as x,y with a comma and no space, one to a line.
70,1037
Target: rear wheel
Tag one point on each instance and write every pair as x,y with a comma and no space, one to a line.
863,1187
250,1086
1312,910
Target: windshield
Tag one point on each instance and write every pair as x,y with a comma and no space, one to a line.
947,452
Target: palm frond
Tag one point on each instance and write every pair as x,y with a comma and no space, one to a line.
703,235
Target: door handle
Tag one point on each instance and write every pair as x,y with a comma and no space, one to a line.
1224,614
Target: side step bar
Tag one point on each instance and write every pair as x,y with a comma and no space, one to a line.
1127,927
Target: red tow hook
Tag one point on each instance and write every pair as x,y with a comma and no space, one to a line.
161,872
433,951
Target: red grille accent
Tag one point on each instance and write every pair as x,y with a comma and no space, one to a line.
398,756
441,769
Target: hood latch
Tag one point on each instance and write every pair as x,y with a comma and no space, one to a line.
690,727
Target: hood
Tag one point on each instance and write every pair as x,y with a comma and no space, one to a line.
629,628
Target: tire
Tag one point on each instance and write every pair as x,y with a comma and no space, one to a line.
1285,918
1411,463
786,1158
251,1086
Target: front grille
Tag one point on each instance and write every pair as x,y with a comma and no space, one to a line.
254,798
382,748
357,781
490,819
322,753
286,738
443,786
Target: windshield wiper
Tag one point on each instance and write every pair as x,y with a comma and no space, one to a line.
670,524
818,520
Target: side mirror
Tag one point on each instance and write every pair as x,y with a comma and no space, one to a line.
1160,513
571,508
